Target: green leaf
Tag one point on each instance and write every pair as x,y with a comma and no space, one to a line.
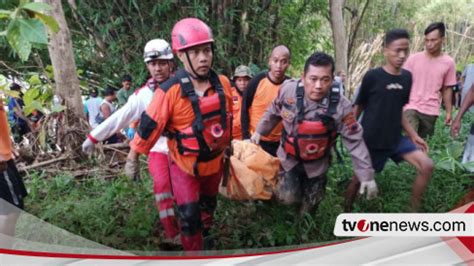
445,165
57,108
455,149
37,106
34,80
14,94
24,2
33,30
5,13
37,7
48,21
17,41
31,95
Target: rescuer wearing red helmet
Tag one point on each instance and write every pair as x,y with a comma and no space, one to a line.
194,108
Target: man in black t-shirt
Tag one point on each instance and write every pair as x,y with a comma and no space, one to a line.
383,93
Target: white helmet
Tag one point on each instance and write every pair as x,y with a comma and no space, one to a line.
157,49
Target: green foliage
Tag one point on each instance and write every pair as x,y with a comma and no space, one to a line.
117,213
26,27
120,213
113,34
38,97
5,87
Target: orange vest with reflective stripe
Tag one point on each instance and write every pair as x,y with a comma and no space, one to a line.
237,100
5,141
171,110
264,96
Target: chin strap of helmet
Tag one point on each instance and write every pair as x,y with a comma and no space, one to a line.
195,75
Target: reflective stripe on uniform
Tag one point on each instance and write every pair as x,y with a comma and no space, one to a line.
163,196
167,212
10,187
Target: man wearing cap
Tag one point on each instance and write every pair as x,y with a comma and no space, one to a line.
158,58
195,109
242,76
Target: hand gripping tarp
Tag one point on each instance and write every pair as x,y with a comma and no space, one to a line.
253,173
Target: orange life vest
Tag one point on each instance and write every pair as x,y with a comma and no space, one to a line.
210,132
314,138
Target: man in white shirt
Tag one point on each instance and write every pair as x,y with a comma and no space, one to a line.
158,57
92,107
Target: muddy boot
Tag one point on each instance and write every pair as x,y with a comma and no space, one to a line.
288,188
313,193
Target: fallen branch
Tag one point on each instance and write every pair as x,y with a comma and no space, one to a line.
116,146
115,150
40,164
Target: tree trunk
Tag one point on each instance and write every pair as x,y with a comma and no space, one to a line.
338,33
62,59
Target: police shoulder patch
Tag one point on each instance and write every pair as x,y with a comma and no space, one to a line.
287,115
290,100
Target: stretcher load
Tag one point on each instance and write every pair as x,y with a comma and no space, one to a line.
253,173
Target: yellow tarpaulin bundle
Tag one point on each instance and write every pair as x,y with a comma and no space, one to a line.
253,173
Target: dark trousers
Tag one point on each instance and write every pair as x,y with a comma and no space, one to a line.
270,147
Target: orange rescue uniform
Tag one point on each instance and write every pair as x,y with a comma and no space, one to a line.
5,141
171,110
259,95
237,100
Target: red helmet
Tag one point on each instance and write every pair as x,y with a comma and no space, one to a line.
190,32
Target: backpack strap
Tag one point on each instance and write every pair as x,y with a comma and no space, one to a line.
300,101
334,97
216,84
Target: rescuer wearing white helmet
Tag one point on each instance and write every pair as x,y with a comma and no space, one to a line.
158,57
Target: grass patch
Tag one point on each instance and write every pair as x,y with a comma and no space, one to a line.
121,214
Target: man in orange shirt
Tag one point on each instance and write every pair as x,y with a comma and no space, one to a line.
260,93
242,76
12,189
195,109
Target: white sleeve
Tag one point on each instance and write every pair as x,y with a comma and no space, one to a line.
123,117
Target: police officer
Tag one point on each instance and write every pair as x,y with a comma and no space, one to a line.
312,114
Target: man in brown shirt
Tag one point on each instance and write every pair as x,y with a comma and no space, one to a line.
312,115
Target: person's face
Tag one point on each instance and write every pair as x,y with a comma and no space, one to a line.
112,97
241,83
397,52
126,84
317,81
279,62
433,42
343,76
159,70
200,57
